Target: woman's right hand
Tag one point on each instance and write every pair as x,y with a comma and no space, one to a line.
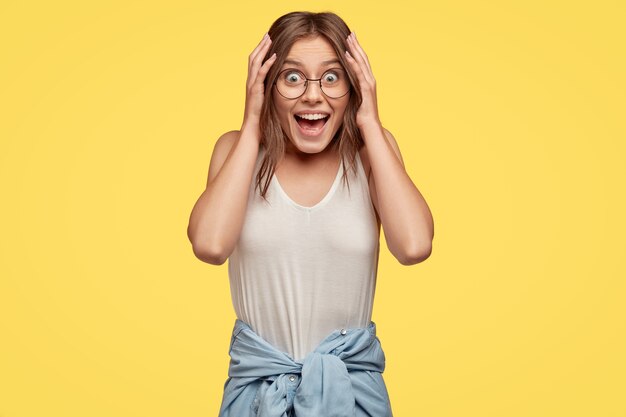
255,89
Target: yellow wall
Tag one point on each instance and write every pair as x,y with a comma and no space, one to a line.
510,118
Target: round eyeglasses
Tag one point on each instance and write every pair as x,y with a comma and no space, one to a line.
292,83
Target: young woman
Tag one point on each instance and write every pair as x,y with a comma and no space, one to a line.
295,201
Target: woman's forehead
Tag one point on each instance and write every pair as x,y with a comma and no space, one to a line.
312,55
303,64
310,51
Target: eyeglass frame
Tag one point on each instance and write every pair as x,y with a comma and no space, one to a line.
306,83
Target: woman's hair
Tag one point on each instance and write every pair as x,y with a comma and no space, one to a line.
284,32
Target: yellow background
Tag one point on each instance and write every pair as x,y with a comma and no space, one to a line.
510,118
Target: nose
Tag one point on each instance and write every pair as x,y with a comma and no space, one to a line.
313,92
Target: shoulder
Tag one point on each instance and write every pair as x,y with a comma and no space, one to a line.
221,149
227,140
394,144
367,167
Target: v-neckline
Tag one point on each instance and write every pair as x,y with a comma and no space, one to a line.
329,194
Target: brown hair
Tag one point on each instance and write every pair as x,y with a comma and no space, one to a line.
284,32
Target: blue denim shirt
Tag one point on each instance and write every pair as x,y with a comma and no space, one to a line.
341,377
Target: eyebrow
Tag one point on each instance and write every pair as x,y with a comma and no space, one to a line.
298,63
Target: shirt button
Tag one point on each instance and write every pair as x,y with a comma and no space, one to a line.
343,331
292,378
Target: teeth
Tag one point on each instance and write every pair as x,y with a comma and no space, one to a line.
316,116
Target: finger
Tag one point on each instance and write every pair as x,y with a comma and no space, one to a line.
258,49
357,68
259,45
359,56
265,68
359,49
258,60
361,64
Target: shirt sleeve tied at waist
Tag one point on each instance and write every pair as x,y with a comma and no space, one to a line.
326,382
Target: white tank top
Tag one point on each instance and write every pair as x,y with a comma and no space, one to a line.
298,273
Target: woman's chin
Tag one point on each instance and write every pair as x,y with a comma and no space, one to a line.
307,145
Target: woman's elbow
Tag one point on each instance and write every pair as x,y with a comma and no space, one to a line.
213,256
412,257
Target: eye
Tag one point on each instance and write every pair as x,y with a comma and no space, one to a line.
332,77
293,77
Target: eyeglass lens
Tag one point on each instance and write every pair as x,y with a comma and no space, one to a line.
292,83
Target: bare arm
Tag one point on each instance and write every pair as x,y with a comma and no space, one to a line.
405,215
217,217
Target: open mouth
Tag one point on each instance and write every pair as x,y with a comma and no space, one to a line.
311,125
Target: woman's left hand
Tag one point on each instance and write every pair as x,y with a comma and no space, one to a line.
368,111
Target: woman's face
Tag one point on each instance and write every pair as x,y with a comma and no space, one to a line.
311,57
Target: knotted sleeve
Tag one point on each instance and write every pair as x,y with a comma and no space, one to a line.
340,378
326,388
